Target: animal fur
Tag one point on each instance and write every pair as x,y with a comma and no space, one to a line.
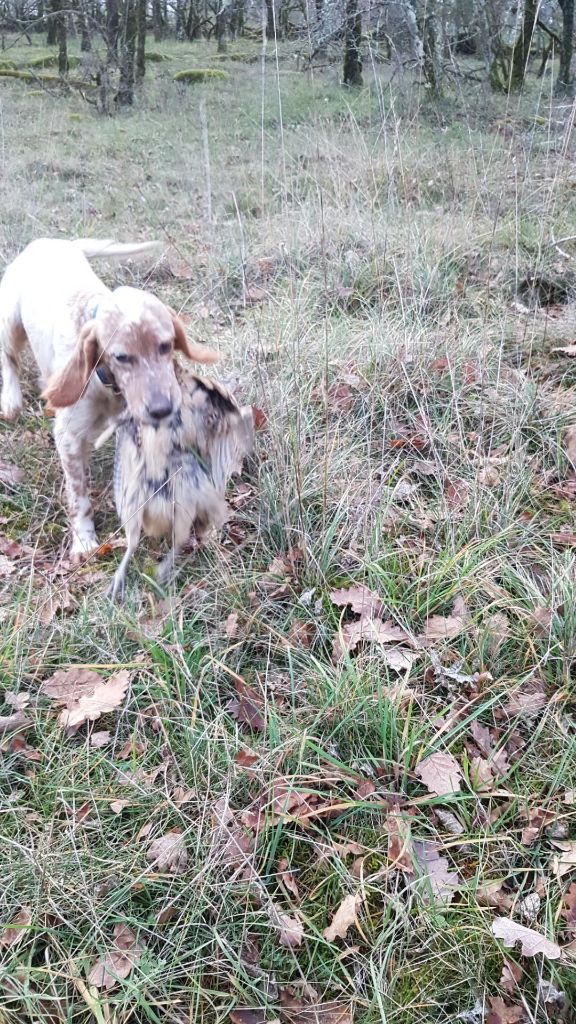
170,479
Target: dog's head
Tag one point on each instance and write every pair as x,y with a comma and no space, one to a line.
132,338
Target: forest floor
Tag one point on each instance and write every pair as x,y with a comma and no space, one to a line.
343,771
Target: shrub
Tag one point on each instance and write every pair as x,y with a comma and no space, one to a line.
194,75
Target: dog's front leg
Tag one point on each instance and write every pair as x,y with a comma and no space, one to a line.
73,447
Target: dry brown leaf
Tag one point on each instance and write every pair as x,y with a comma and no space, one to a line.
180,796
498,628
502,1013
6,566
247,708
17,927
117,806
231,625
570,443
17,701
246,759
118,962
344,918
532,941
538,819
57,600
441,882
291,931
564,539
244,1015
10,474
367,630
440,773
510,977
541,619
456,493
301,633
14,723
69,684
442,627
569,908
481,775
165,915
488,476
400,851
565,860
133,747
168,853
287,878
491,894
295,1011
361,600
100,739
104,698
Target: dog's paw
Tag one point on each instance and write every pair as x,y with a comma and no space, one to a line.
83,545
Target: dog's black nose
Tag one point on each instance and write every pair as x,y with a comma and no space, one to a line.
159,407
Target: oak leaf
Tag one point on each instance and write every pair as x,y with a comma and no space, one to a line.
104,698
361,600
168,853
345,916
118,962
533,942
440,773
16,929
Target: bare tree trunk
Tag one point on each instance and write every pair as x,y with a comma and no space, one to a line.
431,61
270,20
180,19
565,82
126,87
59,19
521,51
192,27
284,19
112,30
352,40
85,37
141,40
220,26
52,29
157,20
237,15
545,58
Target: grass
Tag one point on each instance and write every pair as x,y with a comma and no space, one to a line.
356,258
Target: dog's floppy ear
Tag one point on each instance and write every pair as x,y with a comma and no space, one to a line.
196,353
67,387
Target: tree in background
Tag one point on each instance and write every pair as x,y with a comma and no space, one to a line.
565,81
128,54
141,39
521,49
352,42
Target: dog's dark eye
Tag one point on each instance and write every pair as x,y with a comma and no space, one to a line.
164,348
121,357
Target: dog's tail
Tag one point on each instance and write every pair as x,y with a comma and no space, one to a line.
107,248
